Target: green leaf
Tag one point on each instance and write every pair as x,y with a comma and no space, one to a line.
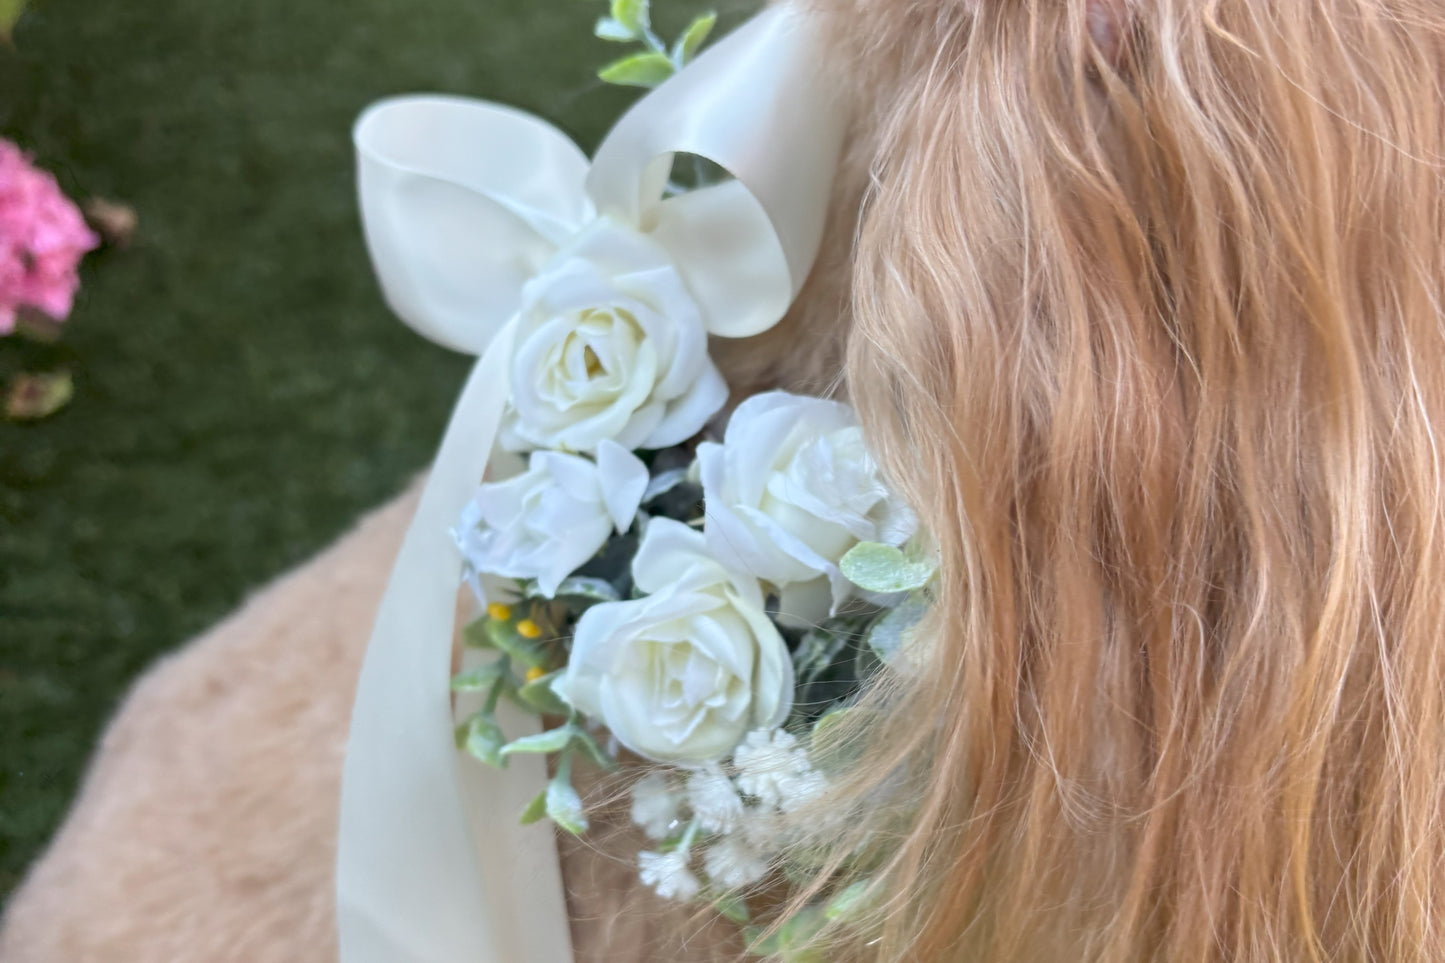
481,678
876,567
580,586
614,30
664,482
847,904
891,633
538,696
553,740
830,752
563,803
535,810
797,933
693,38
484,739
632,14
594,751
504,636
36,396
478,635
732,906
639,70
817,651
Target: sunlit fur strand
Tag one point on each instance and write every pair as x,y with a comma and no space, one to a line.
1154,343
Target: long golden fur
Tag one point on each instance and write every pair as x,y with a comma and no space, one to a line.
1143,314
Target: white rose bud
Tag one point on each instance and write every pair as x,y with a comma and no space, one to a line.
789,491
546,522
609,345
680,675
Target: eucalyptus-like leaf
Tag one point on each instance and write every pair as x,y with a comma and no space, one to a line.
664,482
639,70
583,587
504,635
876,567
485,739
536,809
480,678
563,803
553,740
609,28
891,633
847,904
797,933
594,750
632,14
732,906
830,752
693,38
817,651
477,635
539,696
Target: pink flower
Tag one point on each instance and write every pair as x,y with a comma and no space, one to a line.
42,239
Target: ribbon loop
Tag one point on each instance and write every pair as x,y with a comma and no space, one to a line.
757,105
462,202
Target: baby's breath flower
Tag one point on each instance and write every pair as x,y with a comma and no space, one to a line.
667,873
768,762
713,799
654,805
732,863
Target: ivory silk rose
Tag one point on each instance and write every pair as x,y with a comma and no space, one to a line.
789,491
549,520
610,345
684,673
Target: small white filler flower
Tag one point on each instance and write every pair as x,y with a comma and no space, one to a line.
667,873
732,863
713,799
770,762
655,805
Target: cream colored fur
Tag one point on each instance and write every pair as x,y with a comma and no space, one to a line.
206,829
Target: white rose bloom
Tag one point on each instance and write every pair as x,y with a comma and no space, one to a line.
789,491
546,522
609,345
682,674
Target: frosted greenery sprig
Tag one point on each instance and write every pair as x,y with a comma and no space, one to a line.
630,22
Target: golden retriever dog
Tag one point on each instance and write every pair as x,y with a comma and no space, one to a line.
1140,302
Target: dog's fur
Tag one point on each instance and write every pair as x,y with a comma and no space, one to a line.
206,829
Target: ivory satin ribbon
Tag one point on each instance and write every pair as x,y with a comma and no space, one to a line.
462,203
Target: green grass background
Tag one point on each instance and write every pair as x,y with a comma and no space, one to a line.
242,393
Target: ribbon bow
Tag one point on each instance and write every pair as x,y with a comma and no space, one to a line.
463,203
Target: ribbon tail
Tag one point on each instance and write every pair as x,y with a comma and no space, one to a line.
432,864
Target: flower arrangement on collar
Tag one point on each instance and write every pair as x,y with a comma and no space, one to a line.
707,600
705,605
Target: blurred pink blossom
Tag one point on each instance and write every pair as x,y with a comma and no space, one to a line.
42,239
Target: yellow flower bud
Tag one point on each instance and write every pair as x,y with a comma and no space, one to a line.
528,629
535,672
498,611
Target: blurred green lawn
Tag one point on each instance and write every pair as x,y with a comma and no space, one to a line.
242,394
